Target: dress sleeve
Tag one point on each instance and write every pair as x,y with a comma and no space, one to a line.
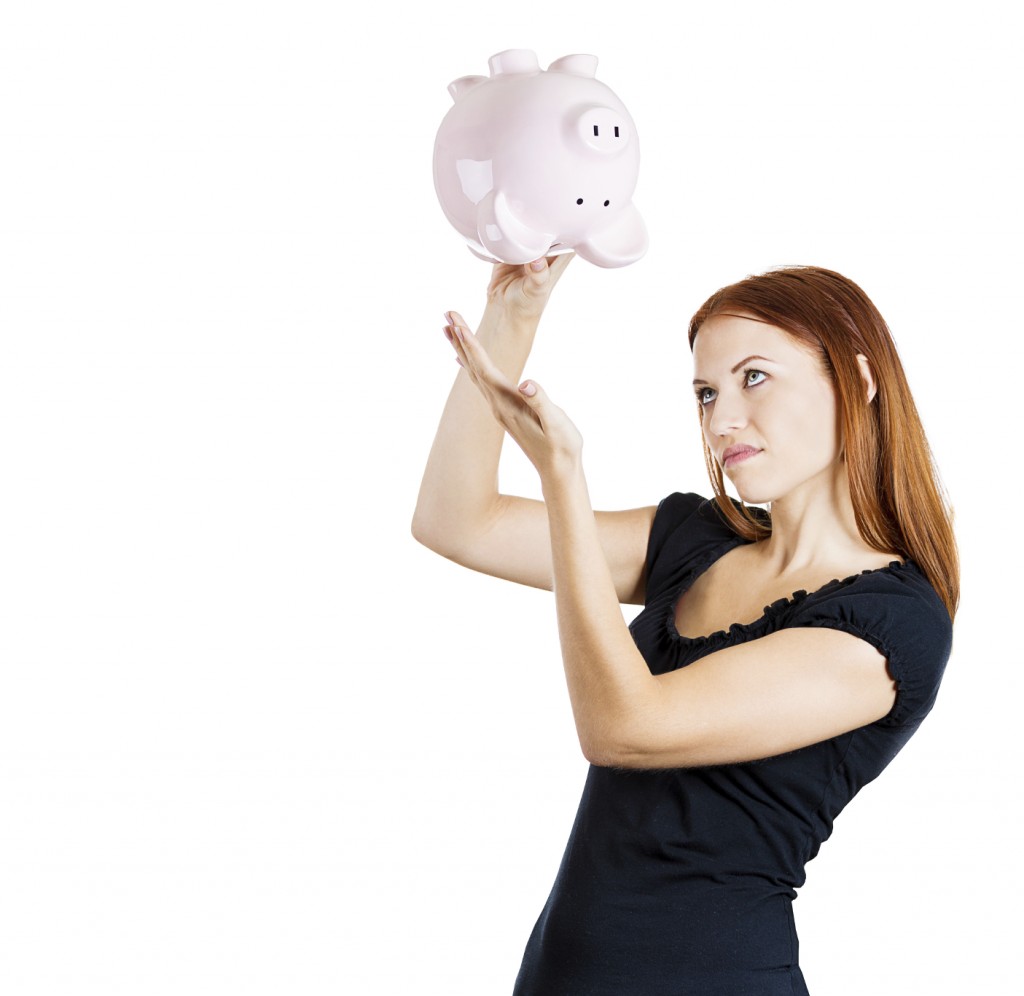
673,513
686,528
897,611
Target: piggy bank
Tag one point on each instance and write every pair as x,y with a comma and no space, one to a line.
530,162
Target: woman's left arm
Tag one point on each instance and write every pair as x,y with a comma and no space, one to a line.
787,690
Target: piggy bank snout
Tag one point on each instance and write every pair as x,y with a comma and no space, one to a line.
602,129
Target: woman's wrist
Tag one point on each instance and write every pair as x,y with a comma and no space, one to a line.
510,318
562,480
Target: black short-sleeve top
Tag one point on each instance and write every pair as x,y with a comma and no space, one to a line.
894,608
688,874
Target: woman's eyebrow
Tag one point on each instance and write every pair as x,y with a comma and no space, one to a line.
738,365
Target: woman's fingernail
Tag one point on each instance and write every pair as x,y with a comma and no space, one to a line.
448,318
537,265
448,333
528,389
458,332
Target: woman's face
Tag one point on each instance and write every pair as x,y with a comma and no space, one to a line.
770,413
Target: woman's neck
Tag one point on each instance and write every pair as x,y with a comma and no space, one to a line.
815,527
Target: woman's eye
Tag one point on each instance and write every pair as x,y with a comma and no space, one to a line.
706,395
753,377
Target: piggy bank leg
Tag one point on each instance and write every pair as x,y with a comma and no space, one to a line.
475,250
501,233
623,242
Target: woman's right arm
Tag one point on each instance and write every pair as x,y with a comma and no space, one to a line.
460,512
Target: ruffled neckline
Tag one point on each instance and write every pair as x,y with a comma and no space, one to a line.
771,611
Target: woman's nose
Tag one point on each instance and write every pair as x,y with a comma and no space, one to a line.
728,414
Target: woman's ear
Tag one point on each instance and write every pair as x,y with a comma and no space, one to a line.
867,376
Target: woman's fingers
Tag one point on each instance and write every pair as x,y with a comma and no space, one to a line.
557,264
538,403
456,334
542,274
527,286
477,363
561,437
488,377
485,374
542,430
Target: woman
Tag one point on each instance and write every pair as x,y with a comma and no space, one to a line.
782,658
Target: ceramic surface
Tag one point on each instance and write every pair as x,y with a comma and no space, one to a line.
530,162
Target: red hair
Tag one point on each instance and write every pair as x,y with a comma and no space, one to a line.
898,499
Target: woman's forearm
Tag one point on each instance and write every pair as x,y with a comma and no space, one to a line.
609,683
459,491
610,687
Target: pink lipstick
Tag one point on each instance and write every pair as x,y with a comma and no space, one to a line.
737,454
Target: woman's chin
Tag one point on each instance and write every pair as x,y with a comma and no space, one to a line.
753,495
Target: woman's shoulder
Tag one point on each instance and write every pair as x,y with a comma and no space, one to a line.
896,609
688,532
899,592
684,521
694,511
683,504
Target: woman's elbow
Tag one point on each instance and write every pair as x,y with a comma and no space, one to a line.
428,532
638,749
596,754
428,525
421,531
608,750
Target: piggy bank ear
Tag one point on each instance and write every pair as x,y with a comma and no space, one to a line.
623,242
460,87
503,235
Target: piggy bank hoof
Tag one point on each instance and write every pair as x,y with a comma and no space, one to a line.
622,242
500,232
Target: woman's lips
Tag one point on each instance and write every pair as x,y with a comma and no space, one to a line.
737,454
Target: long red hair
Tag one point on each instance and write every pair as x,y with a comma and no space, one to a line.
898,499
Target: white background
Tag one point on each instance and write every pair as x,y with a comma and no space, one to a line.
253,739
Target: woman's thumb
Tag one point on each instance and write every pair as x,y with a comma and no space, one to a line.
538,271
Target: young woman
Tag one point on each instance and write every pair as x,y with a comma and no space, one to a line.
783,657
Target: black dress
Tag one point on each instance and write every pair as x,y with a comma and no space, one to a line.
680,882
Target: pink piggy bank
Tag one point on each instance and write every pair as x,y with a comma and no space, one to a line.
531,162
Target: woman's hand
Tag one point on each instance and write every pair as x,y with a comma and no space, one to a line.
523,290
541,429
